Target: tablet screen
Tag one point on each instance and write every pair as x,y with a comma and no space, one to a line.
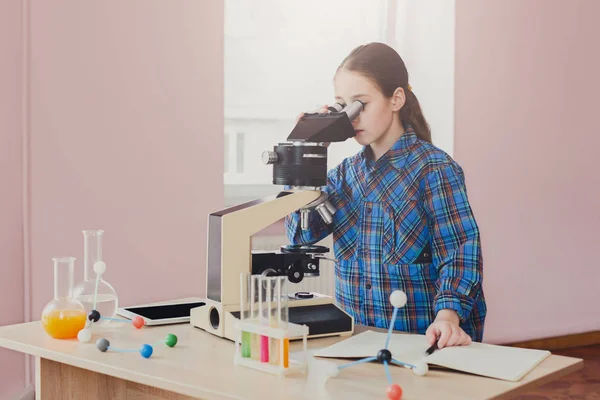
165,311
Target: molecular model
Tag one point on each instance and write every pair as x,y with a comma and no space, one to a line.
102,344
394,391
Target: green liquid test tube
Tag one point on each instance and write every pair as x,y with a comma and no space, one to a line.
246,337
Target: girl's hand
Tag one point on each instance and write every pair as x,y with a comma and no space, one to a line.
324,109
447,331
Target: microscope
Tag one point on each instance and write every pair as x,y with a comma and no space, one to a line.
300,165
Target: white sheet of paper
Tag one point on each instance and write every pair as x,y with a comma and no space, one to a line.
500,362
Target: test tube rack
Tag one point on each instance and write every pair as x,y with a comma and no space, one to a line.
263,332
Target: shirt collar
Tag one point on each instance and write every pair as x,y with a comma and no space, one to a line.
396,155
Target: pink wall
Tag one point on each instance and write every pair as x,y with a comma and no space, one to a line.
527,135
12,364
126,136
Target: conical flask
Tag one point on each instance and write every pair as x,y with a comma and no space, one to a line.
93,293
63,317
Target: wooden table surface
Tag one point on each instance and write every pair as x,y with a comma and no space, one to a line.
201,366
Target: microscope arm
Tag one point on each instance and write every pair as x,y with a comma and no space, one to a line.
229,239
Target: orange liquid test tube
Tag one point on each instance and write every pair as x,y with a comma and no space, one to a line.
286,353
283,345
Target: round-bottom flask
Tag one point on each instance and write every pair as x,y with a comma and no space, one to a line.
63,317
105,303
93,293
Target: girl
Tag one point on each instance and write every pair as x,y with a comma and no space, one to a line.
403,219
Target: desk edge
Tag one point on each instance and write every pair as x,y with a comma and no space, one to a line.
113,371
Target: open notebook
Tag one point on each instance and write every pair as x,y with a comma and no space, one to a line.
500,362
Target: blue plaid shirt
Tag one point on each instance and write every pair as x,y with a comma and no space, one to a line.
402,222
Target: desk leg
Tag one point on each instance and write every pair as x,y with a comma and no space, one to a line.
38,380
54,380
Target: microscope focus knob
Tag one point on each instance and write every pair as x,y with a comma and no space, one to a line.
295,273
269,157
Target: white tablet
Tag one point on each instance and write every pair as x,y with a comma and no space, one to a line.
161,314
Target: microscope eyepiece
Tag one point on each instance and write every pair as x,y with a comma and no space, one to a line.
354,109
337,107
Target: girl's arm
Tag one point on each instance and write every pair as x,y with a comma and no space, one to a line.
456,244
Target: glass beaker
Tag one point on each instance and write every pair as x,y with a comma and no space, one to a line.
63,317
105,300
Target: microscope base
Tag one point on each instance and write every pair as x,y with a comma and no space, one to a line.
322,317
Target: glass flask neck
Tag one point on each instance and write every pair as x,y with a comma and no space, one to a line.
63,277
92,252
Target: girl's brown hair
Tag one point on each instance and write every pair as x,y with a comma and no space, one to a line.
383,65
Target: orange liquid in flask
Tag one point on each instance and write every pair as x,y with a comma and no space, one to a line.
64,324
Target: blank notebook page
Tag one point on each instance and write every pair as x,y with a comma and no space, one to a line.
500,362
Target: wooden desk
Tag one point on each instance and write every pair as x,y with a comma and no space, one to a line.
201,366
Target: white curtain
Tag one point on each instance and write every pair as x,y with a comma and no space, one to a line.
281,55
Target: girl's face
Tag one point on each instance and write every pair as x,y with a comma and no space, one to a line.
379,115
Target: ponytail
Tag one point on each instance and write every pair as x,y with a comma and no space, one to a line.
411,113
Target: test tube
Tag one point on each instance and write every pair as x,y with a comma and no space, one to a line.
254,315
273,318
283,316
264,301
245,302
273,288
283,319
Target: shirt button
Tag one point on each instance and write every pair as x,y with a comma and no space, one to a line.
368,286
368,210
